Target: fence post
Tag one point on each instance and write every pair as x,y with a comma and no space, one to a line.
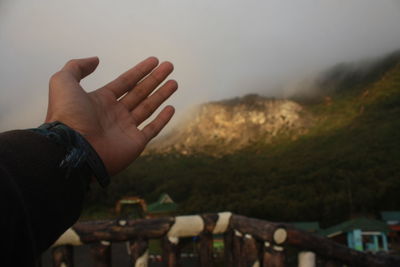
250,252
139,252
237,248
206,249
63,256
307,259
228,248
332,263
171,251
274,256
101,253
206,240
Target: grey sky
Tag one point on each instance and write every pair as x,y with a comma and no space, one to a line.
220,48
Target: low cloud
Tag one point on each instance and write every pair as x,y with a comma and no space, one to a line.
220,49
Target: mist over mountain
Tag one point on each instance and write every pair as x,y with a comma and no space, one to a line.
226,126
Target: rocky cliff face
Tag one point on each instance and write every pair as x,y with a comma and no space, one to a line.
225,126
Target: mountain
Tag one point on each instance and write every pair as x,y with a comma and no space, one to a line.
225,126
337,157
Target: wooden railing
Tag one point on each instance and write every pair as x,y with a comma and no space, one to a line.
247,242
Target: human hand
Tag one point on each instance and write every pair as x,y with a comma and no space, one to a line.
110,116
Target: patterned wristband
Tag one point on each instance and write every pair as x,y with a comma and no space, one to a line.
79,151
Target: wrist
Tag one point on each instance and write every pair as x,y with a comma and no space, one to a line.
97,143
80,152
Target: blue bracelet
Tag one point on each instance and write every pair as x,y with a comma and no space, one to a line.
79,152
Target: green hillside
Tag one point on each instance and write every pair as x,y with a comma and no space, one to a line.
347,164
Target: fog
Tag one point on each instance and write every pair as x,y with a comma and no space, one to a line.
220,49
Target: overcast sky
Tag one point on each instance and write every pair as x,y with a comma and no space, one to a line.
220,48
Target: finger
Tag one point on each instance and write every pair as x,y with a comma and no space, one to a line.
130,78
145,87
153,129
148,106
80,68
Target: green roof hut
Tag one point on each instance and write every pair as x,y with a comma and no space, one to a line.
361,234
164,206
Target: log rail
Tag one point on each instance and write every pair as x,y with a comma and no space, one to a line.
247,242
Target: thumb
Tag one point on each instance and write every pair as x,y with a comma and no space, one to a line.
80,68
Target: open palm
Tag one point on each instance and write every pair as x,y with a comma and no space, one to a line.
110,116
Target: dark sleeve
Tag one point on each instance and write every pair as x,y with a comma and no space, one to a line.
38,201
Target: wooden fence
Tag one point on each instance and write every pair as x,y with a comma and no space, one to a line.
247,242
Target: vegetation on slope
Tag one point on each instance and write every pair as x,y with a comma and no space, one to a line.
347,164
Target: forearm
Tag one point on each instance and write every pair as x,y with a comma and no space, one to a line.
51,201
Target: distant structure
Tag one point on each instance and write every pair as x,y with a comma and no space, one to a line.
392,218
361,234
131,207
164,206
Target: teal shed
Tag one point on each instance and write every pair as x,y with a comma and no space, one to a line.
361,234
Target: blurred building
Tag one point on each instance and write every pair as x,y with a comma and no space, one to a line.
164,206
392,218
361,234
